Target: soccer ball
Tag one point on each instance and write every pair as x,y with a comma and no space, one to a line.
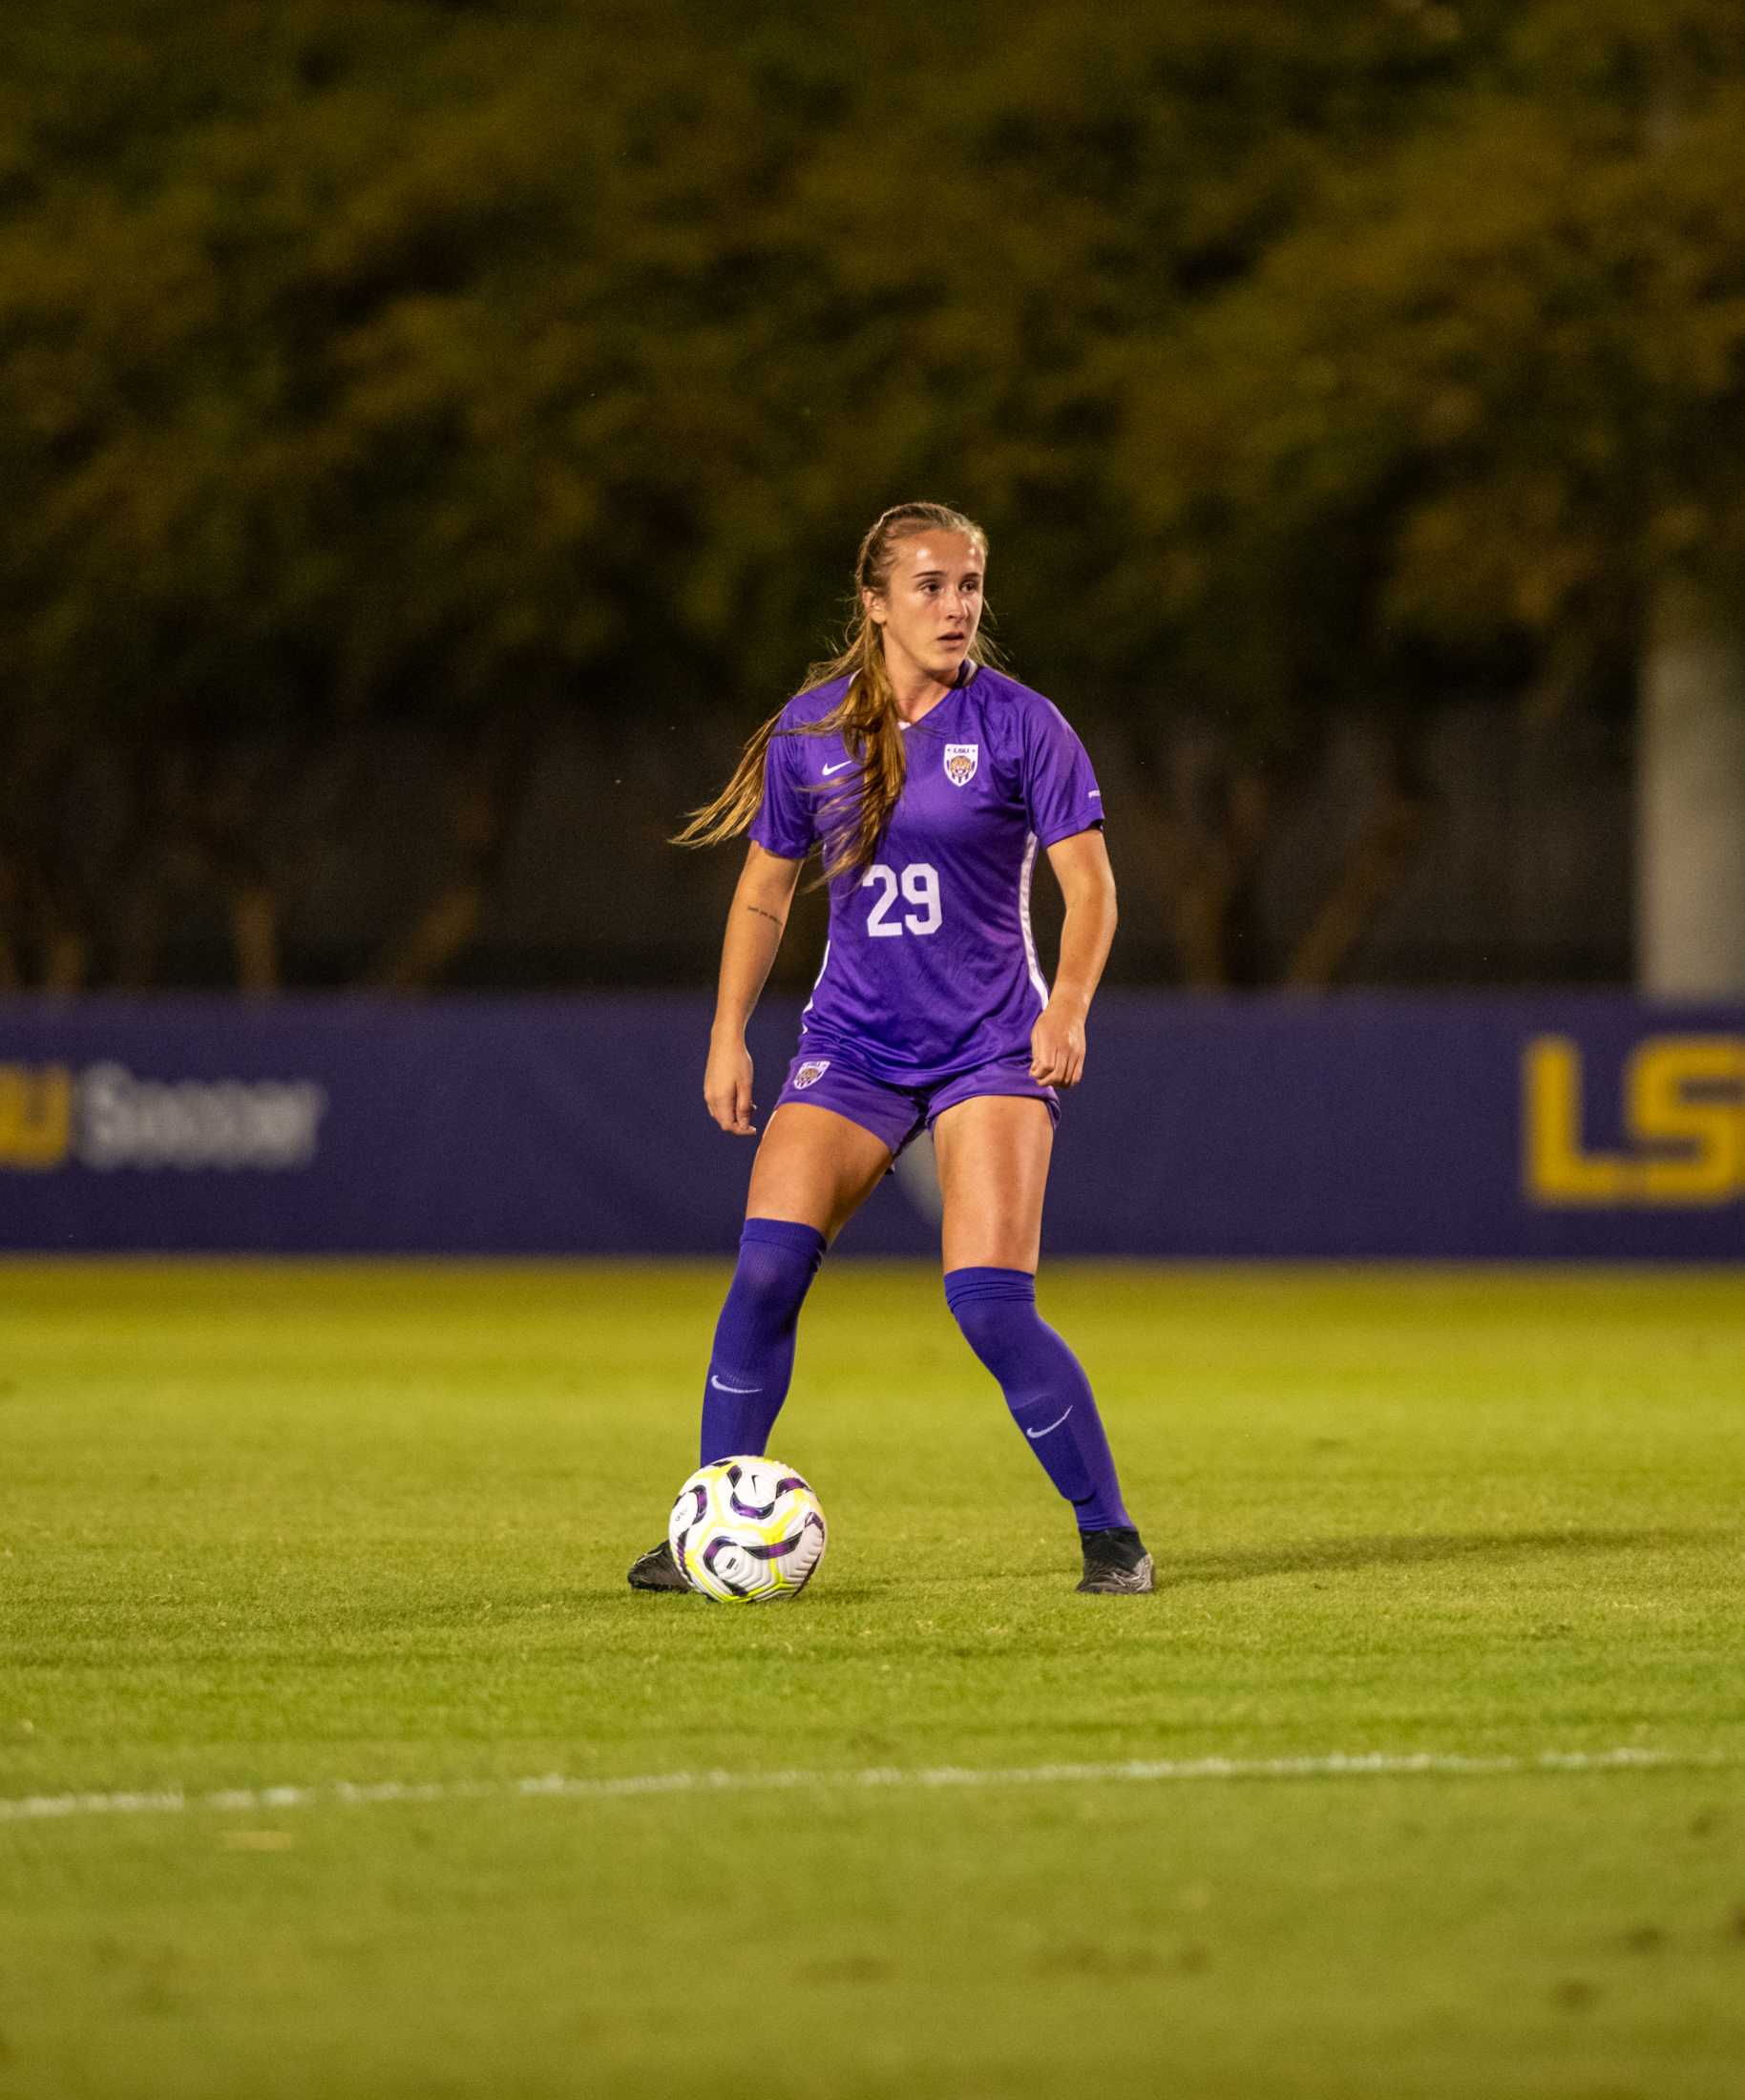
746,1531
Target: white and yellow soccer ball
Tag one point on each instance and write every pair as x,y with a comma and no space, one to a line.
746,1531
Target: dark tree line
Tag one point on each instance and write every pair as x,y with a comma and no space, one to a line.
370,363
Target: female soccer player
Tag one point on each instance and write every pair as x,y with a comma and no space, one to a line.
927,779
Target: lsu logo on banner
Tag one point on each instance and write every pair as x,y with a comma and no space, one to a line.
104,1116
35,1116
1683,1117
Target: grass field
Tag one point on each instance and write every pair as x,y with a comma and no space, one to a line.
358,1532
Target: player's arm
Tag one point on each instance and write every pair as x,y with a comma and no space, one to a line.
755,925
1087,883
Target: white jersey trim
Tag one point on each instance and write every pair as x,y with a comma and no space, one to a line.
1037,978
816,981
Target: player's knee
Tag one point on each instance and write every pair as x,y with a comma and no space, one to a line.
996,1309
777,1261
767,1288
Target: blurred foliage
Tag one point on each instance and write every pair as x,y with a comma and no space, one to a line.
367,359
1490,396
381,354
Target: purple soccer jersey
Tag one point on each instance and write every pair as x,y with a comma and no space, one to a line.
931,967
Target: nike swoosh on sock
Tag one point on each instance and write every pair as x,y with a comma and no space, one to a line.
721,1386
1034,1434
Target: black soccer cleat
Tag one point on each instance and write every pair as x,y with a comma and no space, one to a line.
656,1569
1116,1564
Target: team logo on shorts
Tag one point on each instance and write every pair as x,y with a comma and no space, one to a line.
960,762
809,1073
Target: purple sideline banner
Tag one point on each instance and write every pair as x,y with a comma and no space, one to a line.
1352,1126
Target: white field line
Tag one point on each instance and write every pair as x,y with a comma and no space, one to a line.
1338,1765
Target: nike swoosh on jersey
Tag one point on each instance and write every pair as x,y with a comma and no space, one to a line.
828,770
1034,1434
721,1386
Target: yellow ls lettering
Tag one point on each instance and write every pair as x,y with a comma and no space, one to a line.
1684,1115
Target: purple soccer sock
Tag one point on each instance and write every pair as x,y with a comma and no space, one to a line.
1045,1387
752,1361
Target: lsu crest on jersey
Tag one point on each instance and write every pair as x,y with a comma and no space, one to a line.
960,762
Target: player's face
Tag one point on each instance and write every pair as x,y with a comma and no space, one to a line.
931,607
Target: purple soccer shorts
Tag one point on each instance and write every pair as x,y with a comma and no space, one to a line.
896,1114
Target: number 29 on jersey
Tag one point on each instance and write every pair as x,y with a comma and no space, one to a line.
917,886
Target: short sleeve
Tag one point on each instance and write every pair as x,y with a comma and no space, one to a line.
1061,791
784,823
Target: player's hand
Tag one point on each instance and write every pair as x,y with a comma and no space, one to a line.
1056,1047
726,1088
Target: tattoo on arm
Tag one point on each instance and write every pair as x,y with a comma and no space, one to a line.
763,914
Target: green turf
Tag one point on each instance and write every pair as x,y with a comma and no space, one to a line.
306,1526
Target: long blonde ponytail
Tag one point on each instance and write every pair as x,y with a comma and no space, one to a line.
865,717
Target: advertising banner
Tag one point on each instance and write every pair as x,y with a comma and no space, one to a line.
1349,1127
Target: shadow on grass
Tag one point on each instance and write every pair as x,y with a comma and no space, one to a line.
1255,1564
824,1593
1411,1550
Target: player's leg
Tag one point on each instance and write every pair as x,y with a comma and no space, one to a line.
815,1166
992,1153
814,1169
